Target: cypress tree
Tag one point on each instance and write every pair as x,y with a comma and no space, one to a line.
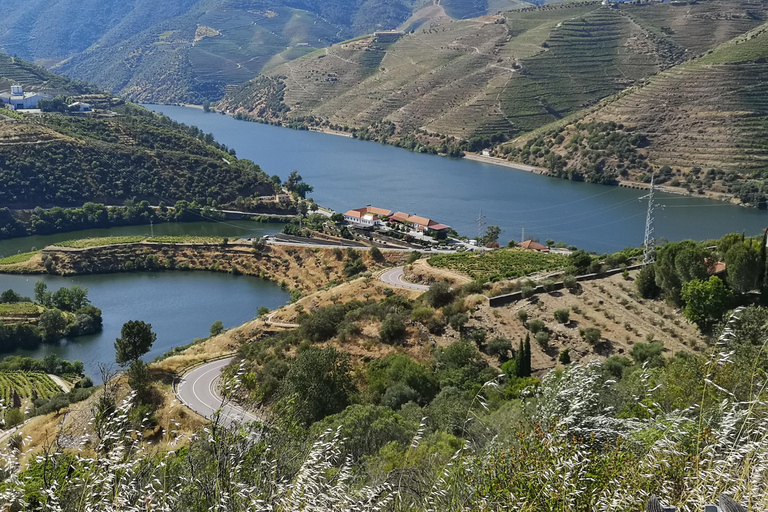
527,356
519,369
762,277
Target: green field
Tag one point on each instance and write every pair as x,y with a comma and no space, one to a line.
19,309
500,264
18,258
98,242
24,383
117,240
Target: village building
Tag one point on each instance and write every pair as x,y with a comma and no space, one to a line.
17,99
79,107
419,223
368,216
530,245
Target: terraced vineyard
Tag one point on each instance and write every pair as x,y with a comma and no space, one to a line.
498,74
500,264
24,383
18,258
85,243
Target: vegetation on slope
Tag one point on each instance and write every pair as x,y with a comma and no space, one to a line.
470,84
701,126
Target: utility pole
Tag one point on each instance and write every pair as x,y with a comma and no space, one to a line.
480,225
649,244
523,235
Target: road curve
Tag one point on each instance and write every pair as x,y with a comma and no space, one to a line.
395,277
197,390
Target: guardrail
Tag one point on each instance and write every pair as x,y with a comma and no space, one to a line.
510,298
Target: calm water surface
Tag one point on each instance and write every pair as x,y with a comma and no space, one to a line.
181,306
348,173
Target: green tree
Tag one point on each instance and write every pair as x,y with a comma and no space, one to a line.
439,294
591,335
392,329
646,282
678,263
705,301
491,235
565,357
42,295
319,383
52,324
499,347
136,339
744,267
580,260
217,328
139,380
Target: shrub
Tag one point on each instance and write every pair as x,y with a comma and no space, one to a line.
262,311
13,417
542,338
522,315
562,316
458,321
591,335
415,255
392,329
565,357
570,283
436,326
536,326
295,295
439,295
499,347
479,337
646,283
375,254
527,291
217,328
422,314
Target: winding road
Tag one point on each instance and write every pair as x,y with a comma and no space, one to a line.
197,390
395,277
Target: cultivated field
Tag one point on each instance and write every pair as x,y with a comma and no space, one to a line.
501,264
26,384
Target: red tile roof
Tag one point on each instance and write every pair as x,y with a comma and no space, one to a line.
533,246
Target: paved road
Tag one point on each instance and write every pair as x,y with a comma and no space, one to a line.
197,390
395,277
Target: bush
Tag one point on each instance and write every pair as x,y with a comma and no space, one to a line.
262,311
562,316
398,395
415,255
458,321
536,326
375,254
648,352
522,315
646,283
591,335
527,291
542,338
570,283
392,329
436,326
13,417
217,328
295,295
499,347
439,295
565,357
422,315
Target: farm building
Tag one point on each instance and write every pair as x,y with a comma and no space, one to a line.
530,245
17,99
420,223
368,216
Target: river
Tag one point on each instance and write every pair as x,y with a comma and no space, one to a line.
348,173
181,306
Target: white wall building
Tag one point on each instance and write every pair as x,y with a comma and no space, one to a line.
18,99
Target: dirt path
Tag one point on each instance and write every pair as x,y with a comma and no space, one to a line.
65,386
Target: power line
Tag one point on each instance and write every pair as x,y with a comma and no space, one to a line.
649,243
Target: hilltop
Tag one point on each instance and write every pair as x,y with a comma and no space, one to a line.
490,76
701,126
190,50
116,153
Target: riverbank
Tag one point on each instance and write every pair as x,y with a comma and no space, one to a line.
306,269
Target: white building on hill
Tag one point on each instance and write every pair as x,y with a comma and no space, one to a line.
18,99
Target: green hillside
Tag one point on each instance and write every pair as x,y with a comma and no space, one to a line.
702,126
121,152
495,75
190,50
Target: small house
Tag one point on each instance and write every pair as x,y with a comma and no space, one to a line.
530,245
368,216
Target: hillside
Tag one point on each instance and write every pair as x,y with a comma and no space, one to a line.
190,50
120,152
493,75
701,126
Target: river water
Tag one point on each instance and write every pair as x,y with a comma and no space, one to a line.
181,306
348,173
